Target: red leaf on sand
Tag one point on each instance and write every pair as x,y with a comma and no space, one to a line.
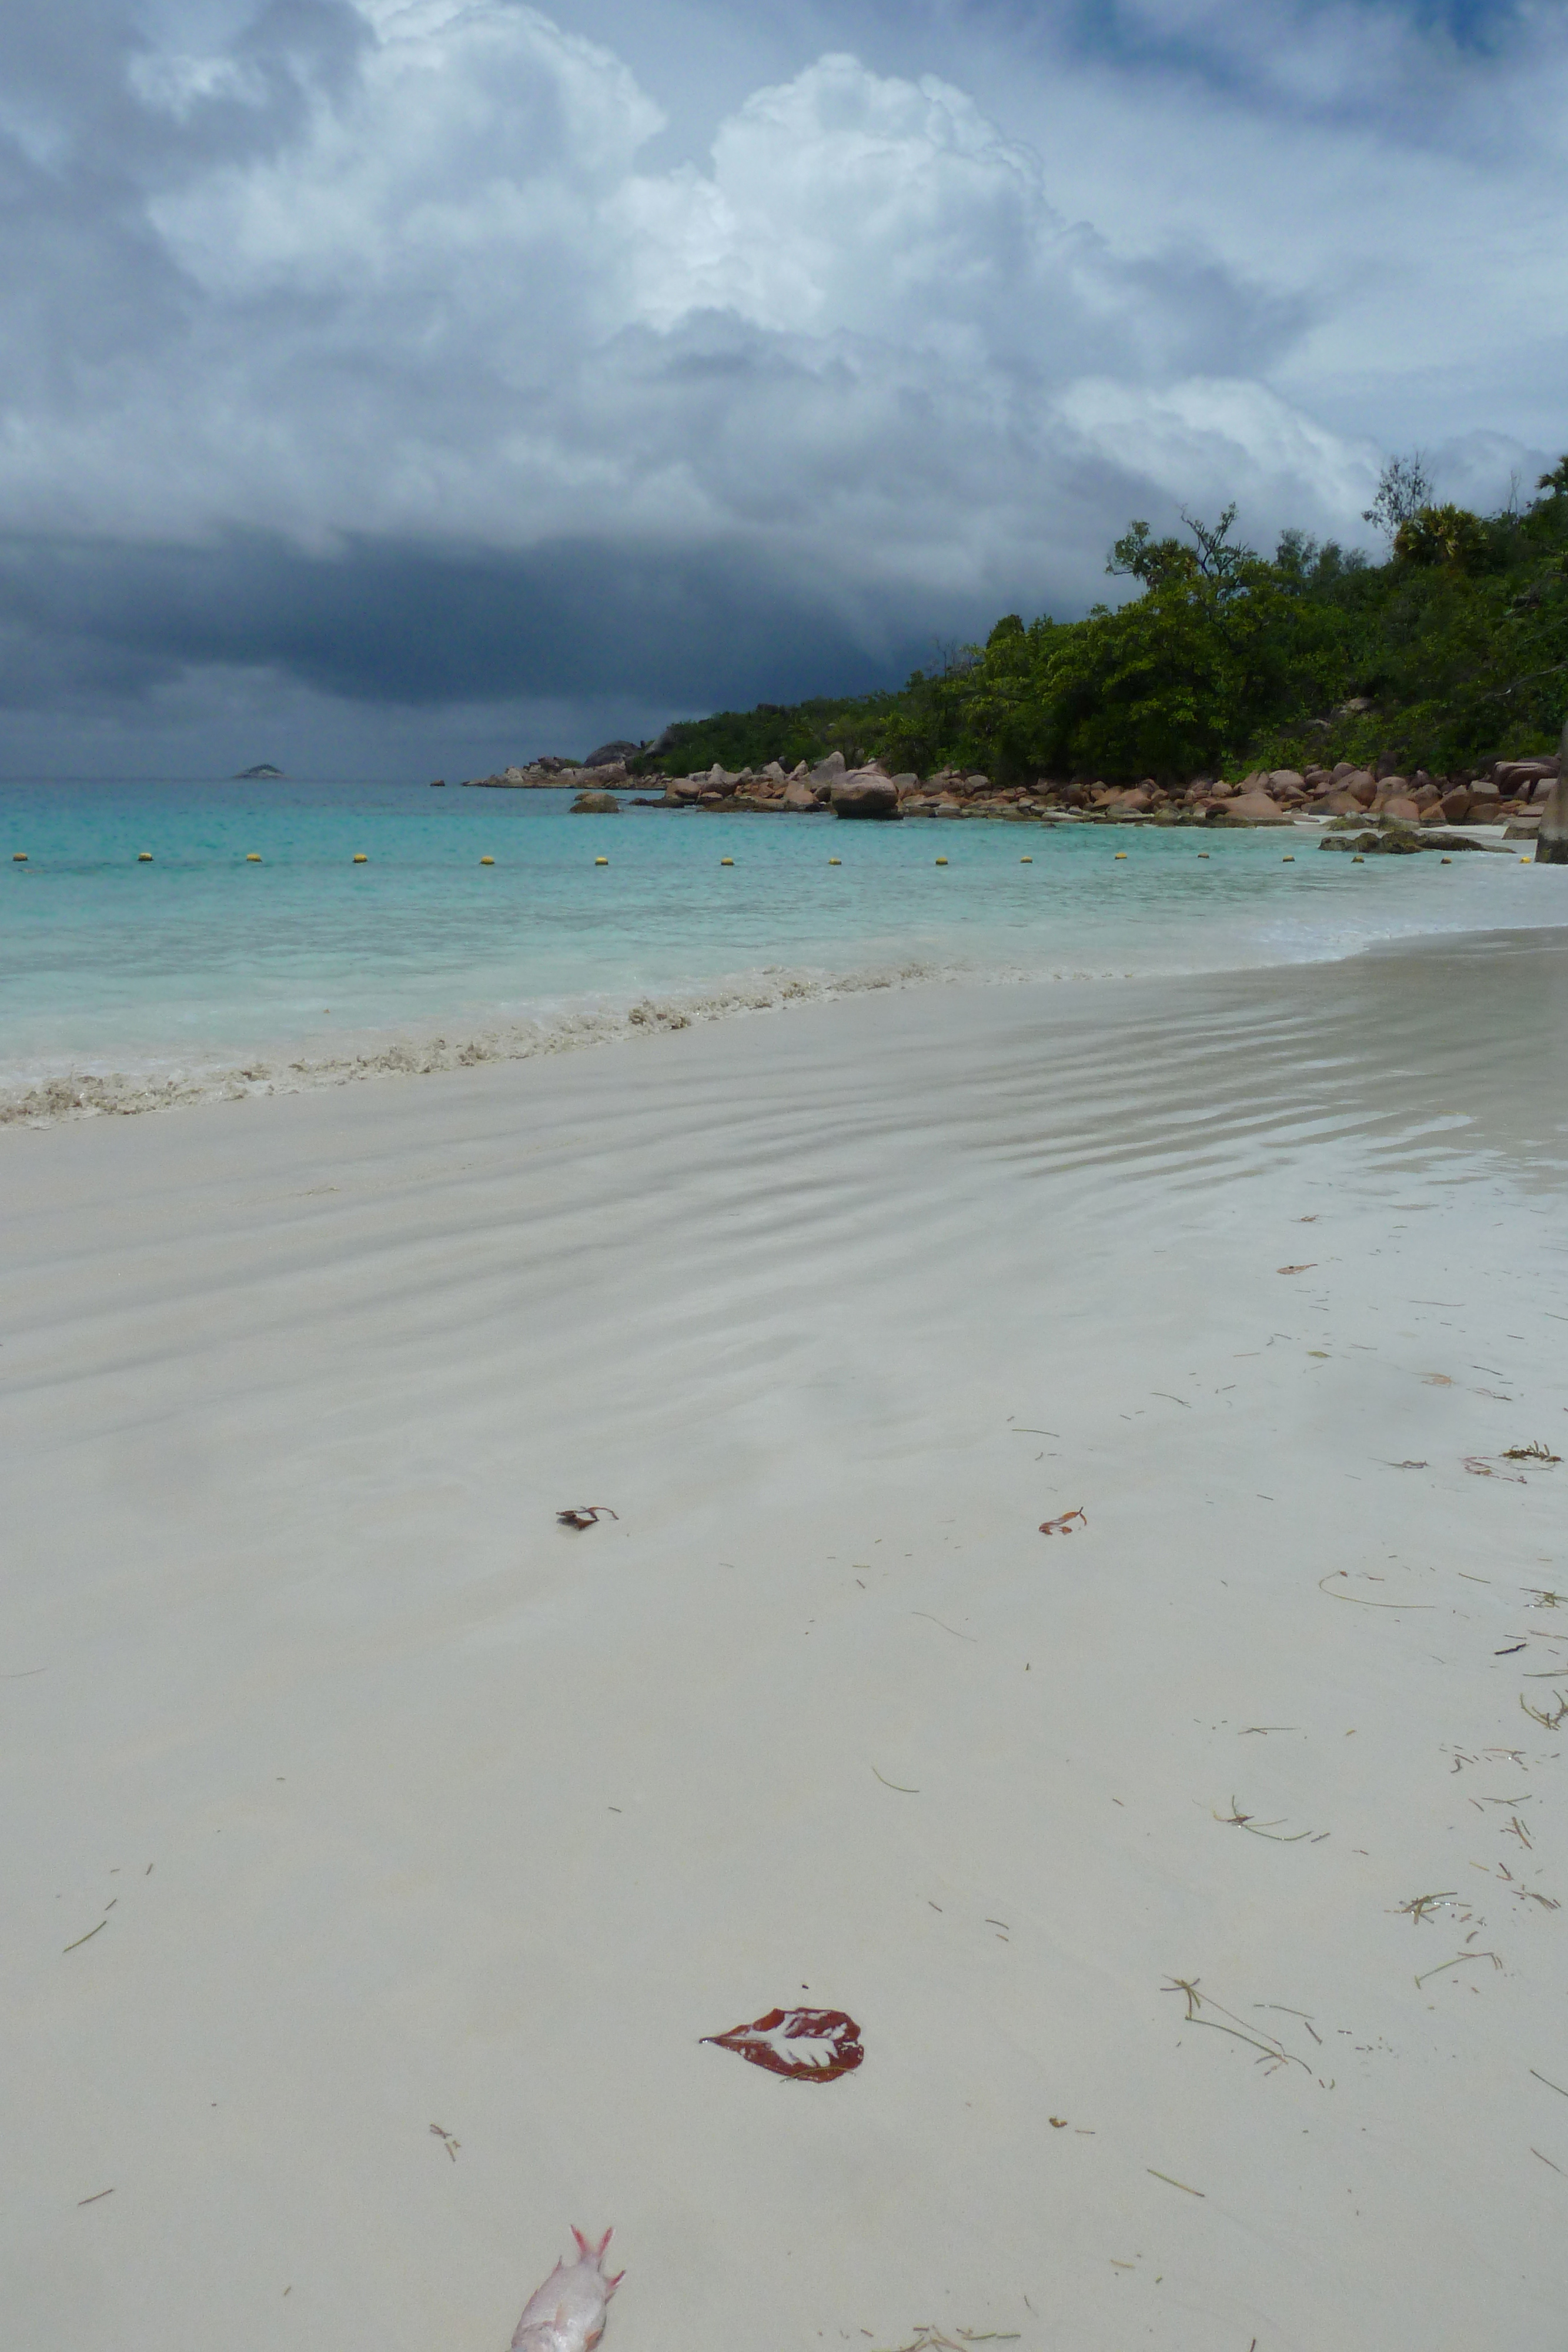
806,2045
1064,1526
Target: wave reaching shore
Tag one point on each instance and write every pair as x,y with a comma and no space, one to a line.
256,950
90,1094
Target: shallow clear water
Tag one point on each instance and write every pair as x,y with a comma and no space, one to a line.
108,964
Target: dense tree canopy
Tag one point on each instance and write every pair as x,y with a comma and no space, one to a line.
1454,649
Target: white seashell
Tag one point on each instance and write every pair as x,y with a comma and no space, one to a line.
568,2313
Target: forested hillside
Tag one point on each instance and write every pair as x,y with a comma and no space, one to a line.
1453,649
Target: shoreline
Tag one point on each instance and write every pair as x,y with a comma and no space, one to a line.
73,1093
427,1815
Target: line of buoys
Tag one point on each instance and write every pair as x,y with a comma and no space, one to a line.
487,861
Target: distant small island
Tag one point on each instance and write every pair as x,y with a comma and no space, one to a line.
265,771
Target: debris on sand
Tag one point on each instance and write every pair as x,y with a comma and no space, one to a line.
567,2314
804,2045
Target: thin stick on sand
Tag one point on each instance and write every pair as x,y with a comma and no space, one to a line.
1236,1819
1357,1601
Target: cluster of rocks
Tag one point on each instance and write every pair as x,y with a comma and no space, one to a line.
1493,796
605,767
1513,793
1512,790
868,791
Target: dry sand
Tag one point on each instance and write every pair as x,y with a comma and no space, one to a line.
401,1806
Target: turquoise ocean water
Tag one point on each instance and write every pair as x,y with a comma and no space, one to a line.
200,963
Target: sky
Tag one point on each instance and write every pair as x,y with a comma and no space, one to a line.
403,387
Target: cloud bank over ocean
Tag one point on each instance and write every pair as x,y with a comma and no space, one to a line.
383,378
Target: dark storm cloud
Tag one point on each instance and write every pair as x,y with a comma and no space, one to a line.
398,625
396,351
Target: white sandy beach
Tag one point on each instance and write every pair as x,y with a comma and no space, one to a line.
401,1806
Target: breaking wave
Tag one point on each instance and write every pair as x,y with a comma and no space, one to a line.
39,1099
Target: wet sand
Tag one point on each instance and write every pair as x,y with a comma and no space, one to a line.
383,1802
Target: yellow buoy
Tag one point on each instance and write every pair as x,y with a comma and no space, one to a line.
1290,860
18,858
1445,861
941,861
487,861
1524,861
253,858
726,861
1120,852
601,861
1203,853
835,861
144,858
1358,861
1026,861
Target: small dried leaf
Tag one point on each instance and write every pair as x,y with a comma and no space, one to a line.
805,2045
1297,1270
1064,1526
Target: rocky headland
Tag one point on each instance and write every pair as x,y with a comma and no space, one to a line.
1515,794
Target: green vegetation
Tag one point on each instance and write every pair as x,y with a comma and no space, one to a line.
789,732
1452,650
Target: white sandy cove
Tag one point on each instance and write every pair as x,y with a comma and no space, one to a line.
404,1807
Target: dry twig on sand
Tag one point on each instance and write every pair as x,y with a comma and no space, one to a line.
1266,2044
1236,1819
1416,1910
586,1515
1479,1469
927,2338
1457,1961
1323,1582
